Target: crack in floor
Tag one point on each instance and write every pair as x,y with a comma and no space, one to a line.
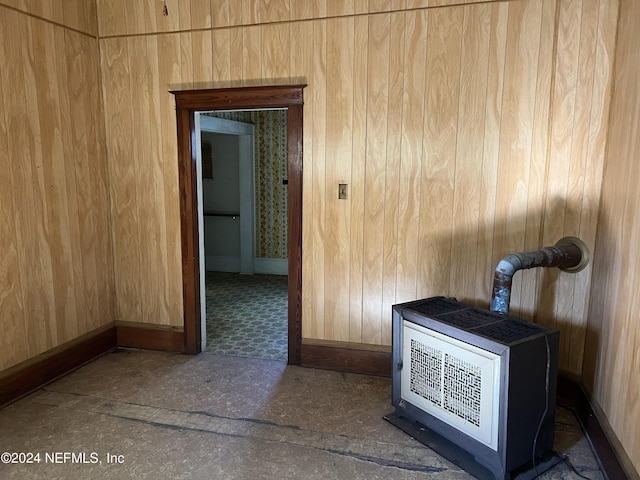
414,458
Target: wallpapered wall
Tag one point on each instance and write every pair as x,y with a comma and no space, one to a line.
270,171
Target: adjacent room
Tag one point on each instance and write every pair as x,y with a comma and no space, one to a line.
243,162
412,146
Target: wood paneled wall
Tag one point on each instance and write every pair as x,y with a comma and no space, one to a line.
613,343
465,133
75,14
56,273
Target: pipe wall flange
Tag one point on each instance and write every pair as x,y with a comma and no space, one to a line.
584,251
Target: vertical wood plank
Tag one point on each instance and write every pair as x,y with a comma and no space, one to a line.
275,57
97,164
314,326
375,179
237,56
220,13
184,9
337,8
491,153
577,193
308,10
49,176
145,211
392,172
170,74
235,12
37,203
468,168
60,177
122,182
518,103
65,44
251,58
274,10
13,343
202,48
83,209
557,288
596,331
157,162
110,21
357,187
201,14
442,91
221,58
340,32
250,11
133,16
411,154
536,191
186,61
170,23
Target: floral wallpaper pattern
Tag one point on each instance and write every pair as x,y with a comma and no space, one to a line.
270,171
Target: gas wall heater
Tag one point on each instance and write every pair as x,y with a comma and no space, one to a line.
476,386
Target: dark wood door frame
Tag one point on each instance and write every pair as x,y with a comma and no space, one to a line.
187,103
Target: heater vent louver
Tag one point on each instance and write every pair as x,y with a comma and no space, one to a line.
453,381
462,389
446,381
426,372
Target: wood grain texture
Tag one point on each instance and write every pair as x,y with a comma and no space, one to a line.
377,89
516,134
57,280
485,134
39,370
356,191
442,95
340,64
78,15
315,198
149,336
346,357
392,172
411,155
467,190
448,125
12,312
490,152
201,14
613,342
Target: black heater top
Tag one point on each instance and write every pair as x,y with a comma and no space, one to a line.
498,327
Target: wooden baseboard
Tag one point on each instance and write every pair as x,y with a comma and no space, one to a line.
150,337
612,460
346,357
24,378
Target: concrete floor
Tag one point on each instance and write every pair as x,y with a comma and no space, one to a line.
154,415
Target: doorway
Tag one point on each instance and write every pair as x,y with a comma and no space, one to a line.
244,207
187,104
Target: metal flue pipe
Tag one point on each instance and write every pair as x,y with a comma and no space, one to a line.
570,254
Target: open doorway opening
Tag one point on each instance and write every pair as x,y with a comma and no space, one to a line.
188,102
243,162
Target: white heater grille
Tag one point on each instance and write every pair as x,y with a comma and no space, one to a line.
453,381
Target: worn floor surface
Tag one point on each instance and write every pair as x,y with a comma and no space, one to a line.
151,415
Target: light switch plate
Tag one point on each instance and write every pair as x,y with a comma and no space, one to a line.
342,191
